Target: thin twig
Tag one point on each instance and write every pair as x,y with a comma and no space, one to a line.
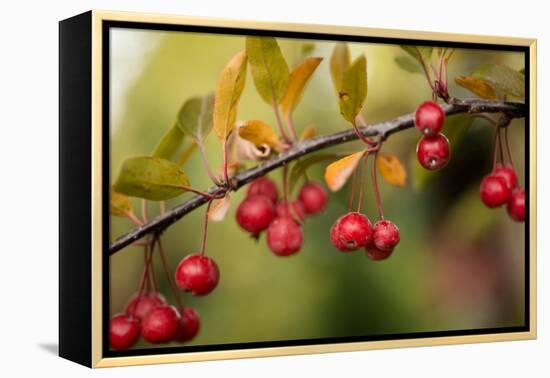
382,130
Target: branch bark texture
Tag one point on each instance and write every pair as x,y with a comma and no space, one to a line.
382,130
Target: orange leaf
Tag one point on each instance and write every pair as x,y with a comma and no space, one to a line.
391,169
338,172
309,132
296,84
219,209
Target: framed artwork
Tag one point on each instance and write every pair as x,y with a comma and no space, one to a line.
236,189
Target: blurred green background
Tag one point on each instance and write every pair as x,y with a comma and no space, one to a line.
458,266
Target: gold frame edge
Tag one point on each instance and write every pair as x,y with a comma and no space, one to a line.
98,16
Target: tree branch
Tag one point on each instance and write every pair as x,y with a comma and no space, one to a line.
382,130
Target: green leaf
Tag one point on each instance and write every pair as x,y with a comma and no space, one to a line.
151,178
301,166
195,117
169,143
229,88
120,205
419,53
339,63
296,84
407,64
353,91
502,78
268,66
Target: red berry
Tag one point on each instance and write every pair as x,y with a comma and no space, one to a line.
385,235
508,173
294,211
284,236
123,331
494,192
140,305
516,205
376,254
429,118
190,324
351,232
313,197
433,152
264,186
161,325
255,213
197,274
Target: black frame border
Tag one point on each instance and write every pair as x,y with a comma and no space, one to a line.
107,25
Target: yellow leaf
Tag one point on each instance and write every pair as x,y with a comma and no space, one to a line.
391,169
338,172
339,63
219,209
309,132
186,154
228,91
353,90
477,86
259,133
296,84
120,205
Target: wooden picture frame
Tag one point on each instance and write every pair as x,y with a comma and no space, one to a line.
86,177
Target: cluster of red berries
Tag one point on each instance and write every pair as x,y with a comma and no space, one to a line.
262,210
501,187
433,150
156,321
354,230
150,316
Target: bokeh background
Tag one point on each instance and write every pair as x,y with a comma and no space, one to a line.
458,265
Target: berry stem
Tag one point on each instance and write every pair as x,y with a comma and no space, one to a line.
145,274
362,180
508,149
173,287
500,149
205,228
152,275
352,195
495,144
285,184
375,186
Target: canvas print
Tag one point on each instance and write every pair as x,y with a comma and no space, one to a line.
272,189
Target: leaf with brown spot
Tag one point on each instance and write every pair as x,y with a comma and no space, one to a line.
338,172
296,84
391,169
229,88
353,91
